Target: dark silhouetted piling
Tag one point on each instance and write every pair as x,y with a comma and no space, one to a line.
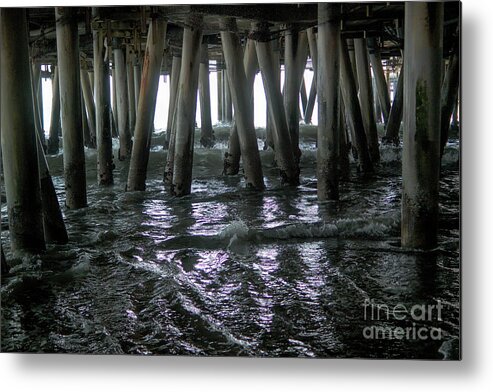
53,225
132,106
137,79
353,110
328,101
102,96
147,104
5,267
219,76
421,148
395,116
312,44
53,139
295,54
280,133
70,103
242,100
173,90
38,117
186,108
450,91
120,81
276,53
89,108
227,103
366,98
380,82
303,97
114,101
352,60
344,146
18,136
232,156
206,131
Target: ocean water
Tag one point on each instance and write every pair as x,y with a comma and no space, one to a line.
229,271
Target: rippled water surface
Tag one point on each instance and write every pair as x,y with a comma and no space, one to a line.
227,271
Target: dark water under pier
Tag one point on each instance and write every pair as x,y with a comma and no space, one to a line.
227,271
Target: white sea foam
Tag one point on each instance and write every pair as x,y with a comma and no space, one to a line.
236,228
369,227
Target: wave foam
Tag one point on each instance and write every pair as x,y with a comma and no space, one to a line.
369,228
236,228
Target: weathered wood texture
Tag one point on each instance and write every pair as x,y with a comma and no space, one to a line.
280,132
71,108
353,110
139,159
18,136
366,98
328,102
421,148
186,109
102,96
242,100
206,131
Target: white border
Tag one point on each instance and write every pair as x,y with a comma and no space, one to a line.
94,373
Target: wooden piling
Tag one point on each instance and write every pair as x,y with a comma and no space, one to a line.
366,98
232,156
186,108
312,43
91,80
376,103
70,103
303,97
37,90
241,96
450,91
350,96
206,131
269,139
38,120
352,59
227,104
18,136
102,96
86,134
231,163
280,132
219,75
147,104
122,100
53,139
114,102
173,89
328,101
344,146
380,82
53,225
4,266
421,148
137,79
88,107
132,107
295,54
395,116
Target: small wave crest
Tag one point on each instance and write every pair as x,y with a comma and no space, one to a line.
236,228
365,228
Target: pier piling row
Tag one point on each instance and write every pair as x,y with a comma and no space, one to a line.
105,64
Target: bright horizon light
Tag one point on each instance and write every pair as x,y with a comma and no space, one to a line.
162,101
